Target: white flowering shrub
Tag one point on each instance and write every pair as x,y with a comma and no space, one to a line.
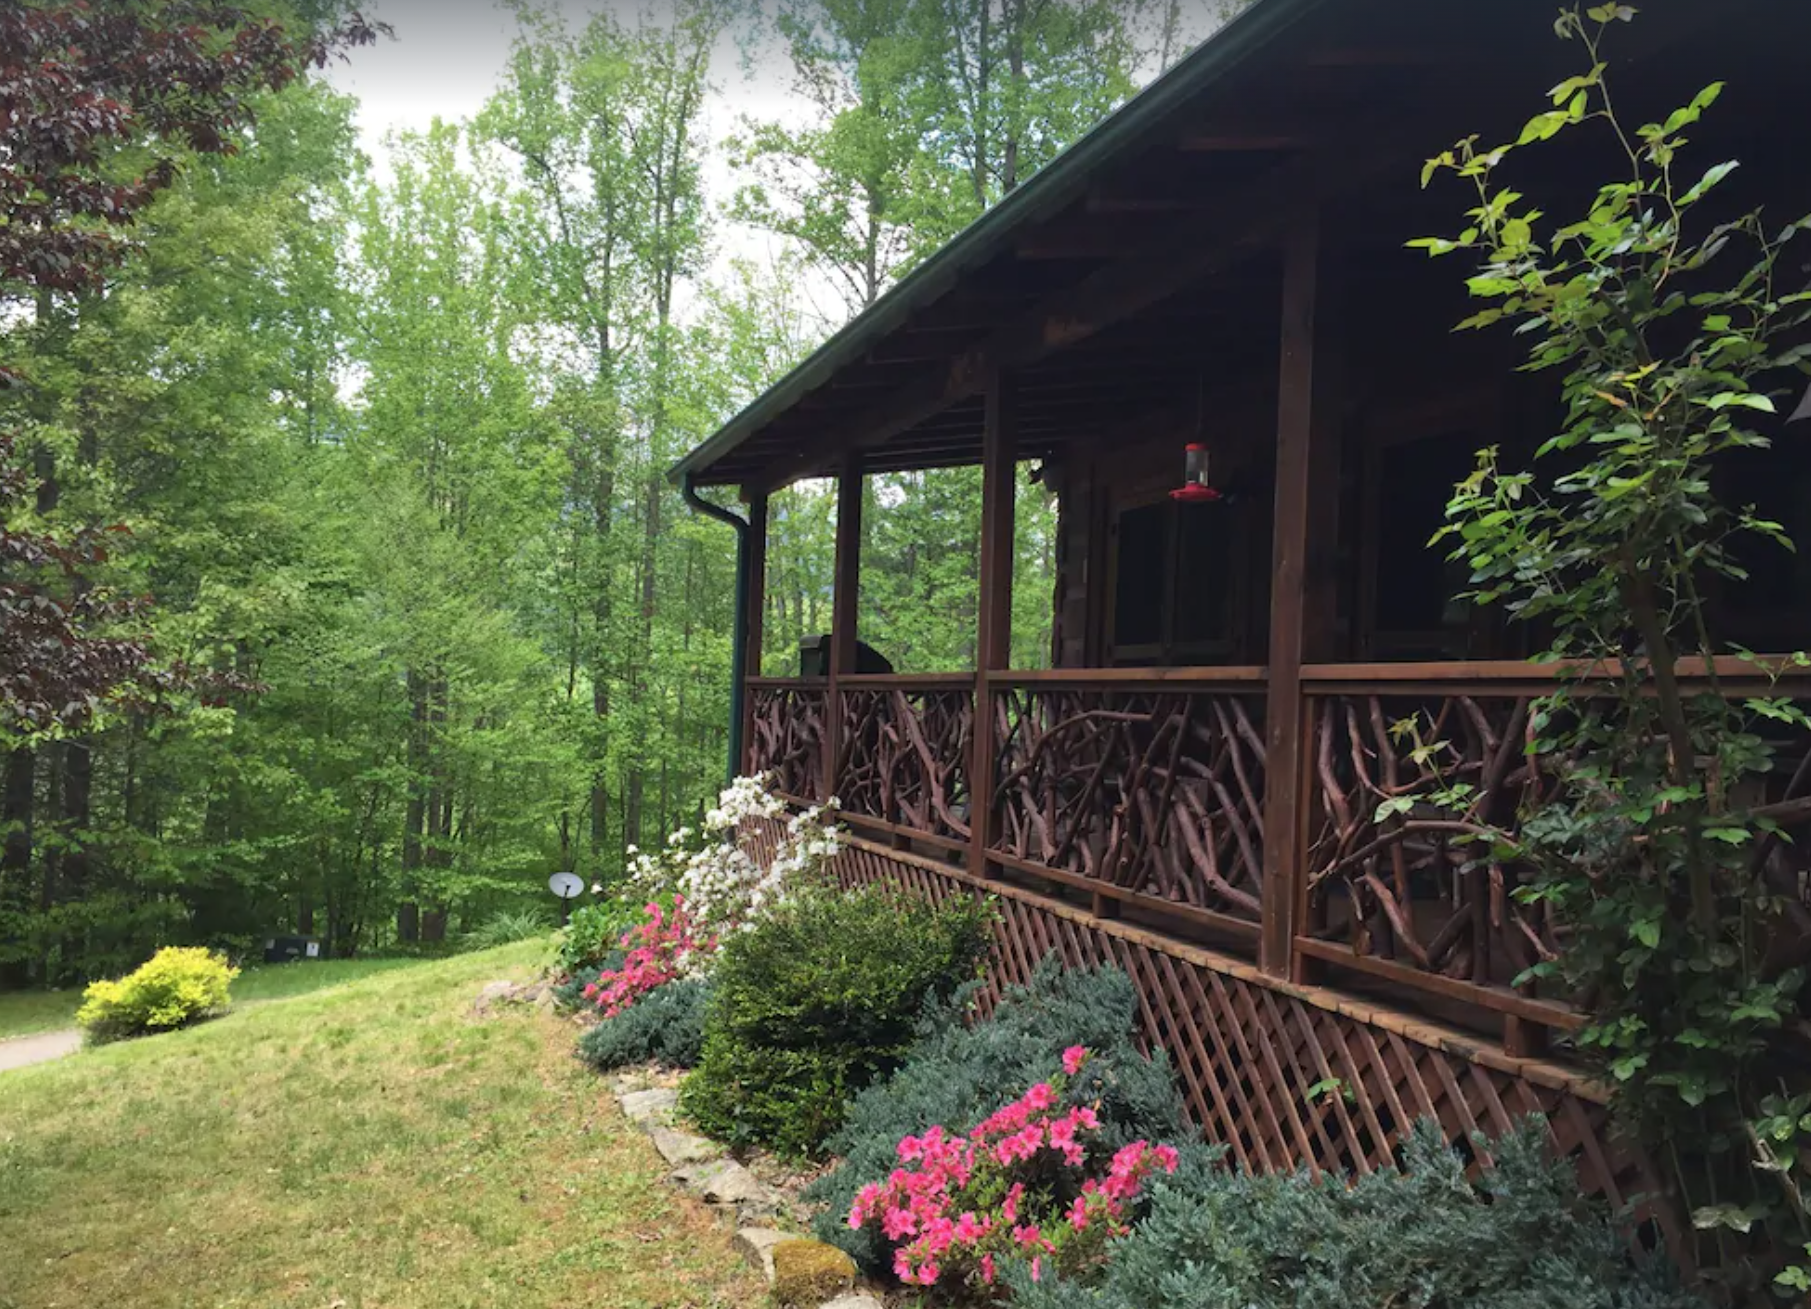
723,888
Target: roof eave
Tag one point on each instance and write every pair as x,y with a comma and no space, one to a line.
1049,189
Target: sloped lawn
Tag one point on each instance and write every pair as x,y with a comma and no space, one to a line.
25,1012
373,1145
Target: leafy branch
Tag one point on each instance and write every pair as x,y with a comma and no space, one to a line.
1667,315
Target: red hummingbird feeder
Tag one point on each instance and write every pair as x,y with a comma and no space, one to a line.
1195,488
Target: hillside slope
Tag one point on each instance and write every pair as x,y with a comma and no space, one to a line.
371,1145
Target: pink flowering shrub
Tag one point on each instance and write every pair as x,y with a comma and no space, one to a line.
655,952
1028,1183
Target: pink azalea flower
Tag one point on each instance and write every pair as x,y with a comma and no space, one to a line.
1073,1059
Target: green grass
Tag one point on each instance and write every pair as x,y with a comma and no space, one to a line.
25,1012
370,1145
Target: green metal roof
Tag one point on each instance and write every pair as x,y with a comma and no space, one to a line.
1043,194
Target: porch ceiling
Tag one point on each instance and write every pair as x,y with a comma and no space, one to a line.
1075,283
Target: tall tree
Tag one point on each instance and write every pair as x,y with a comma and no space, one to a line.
606,125
102,102
928,112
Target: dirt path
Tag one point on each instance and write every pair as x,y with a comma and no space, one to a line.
23,1050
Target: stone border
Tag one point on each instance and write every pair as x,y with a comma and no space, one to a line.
703,1168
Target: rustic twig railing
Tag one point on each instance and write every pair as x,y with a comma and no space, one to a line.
1402,890
786,736
1145,789
903,755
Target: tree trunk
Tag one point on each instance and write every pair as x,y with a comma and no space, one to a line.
408,913
17,796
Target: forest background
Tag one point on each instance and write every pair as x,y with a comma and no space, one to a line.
391,444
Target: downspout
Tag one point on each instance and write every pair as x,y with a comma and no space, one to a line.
738,663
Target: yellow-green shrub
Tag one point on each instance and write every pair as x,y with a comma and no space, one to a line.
179,985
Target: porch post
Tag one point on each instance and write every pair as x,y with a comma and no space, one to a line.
993,643
847,590
755,598
1303,597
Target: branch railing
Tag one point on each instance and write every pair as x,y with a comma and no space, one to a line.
1145,790
903,755
786,721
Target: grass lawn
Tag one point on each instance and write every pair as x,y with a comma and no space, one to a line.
369,1145
25,1012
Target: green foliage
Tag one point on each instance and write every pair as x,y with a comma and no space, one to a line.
665,1026
957,1073
393,446
818,1000
1428,1237
1675,323
928,112
177,986
593,932
507,929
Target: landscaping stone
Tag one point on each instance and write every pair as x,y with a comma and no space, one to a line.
806,1273
645,1107
492,994
681,1148
853,1300
758,1243
725,1182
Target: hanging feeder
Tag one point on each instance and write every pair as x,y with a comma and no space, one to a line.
1195,488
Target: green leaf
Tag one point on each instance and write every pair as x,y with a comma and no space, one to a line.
1744,399
1711,178
1396,804
1544,127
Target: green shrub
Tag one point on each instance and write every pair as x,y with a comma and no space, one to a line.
593,933
1427,1237
507,929
570,994
664,1026
178,986
957,1074
817,1001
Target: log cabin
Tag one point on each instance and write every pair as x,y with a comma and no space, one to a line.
1217,275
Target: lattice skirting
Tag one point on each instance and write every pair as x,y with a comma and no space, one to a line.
1263,1062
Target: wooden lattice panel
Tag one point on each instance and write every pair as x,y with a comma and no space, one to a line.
1259,1059
905,756
786,740
1160,793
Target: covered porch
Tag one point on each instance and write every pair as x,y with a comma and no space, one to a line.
1219,781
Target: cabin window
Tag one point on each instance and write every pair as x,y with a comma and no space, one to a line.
1410,585
1173,585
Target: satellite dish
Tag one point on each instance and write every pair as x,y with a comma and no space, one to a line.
568,886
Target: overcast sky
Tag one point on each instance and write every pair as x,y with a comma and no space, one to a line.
448,55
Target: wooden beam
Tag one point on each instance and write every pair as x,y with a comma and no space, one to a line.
850,484
756,582
844,607
1239,223
1106,202
1296,457
1210,143
993,643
